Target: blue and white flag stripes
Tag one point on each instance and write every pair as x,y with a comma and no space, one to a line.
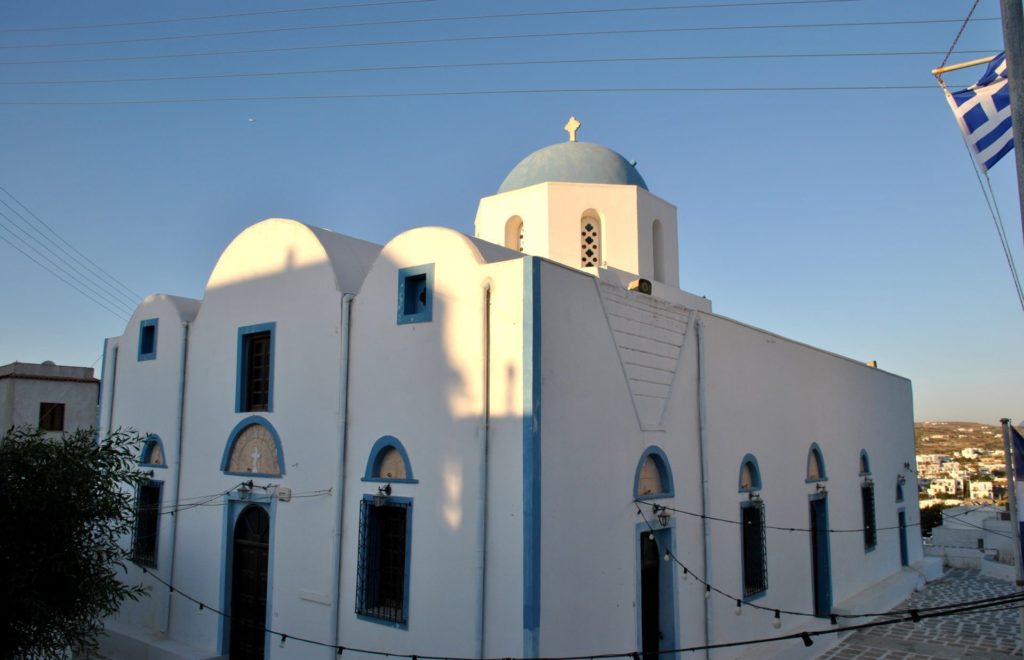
983,113
1017,444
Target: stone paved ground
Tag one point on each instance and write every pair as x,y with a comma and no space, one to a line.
982,634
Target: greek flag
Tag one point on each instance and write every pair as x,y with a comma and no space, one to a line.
983,112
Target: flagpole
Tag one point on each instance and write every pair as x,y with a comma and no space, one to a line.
1011,500
1013,43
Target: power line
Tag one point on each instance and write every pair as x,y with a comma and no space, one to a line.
496,92
92,268
468,65
60,277
478,38
161,21
415,21
29,241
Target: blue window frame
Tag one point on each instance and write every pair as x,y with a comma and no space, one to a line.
153,452
415,294
385,543
750,474
381,454
815,464
145,540
254,382
147,339
653,463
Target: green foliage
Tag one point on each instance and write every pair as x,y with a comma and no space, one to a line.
65,503
931,517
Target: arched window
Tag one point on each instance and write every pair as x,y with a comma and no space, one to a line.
653,476
750,475
253,449
152,452
657,248
590,239
815,464
867,502
514,233
388,461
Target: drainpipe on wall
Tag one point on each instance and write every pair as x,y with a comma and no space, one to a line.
484,451
339,477
703,442
113,382
177,470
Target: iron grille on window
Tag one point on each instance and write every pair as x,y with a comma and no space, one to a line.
51,416
867,501
257,371
147,524
381,580
755,559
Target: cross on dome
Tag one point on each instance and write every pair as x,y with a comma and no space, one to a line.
571,127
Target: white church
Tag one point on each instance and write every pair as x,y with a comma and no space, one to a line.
528,442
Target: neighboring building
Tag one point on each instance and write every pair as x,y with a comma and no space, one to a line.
981,490
495,445
53,397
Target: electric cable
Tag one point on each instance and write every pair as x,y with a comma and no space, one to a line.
479,38
419,21
163,21
471,65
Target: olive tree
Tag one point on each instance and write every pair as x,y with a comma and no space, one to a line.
65,504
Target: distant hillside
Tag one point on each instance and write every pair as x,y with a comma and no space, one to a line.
947,437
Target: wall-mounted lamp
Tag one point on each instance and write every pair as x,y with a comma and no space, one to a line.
820,487
383,493
661,513
754,496
901,480
245,488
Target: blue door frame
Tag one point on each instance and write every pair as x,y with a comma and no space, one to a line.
904,556
661,578
821,562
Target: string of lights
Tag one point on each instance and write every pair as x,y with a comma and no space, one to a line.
777,621
216,499
914,615
655,505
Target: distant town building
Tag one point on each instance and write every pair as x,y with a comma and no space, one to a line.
981,490
53,397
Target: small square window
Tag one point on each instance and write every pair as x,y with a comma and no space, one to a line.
51,416
147,339
415,294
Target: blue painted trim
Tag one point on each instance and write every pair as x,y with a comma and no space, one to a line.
815,450
377,455
531,455
665,537
827,553
240,364
664,470
103,381
404,276
152,440
148,323
230,445
865,463
755,474
408,559
234,505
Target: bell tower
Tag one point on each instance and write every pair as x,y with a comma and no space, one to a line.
585,206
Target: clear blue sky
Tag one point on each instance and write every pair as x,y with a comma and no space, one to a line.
847,219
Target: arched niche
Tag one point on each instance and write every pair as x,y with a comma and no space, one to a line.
815,464
152,454
253,449
653,476
750,474
388,461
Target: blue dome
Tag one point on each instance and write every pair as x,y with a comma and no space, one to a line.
572,162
